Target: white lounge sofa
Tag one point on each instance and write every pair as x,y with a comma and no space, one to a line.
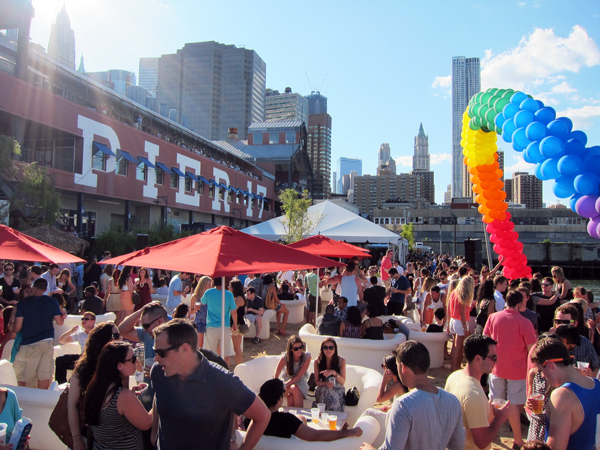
73,320
361,352
296,308
37,405
265,330
368,425
255,372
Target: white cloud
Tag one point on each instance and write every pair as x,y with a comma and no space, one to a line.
539,58
563,88
519,166
521,4
442,82
581,117
405,161
439,158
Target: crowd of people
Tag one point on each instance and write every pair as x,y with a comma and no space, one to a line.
521,350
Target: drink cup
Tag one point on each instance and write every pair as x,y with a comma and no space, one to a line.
583,365
3,433
314,415
332,422
325,418
537,403
293,411
321,407
424,328
498,403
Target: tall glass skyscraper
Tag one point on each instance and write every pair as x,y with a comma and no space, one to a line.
61,47
317,103
345,166
148,75
466,82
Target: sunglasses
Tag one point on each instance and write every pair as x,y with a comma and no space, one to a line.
8,269
563,321
301,347
85,319
162,352
145,326
328,347
546,284
492,357
133,359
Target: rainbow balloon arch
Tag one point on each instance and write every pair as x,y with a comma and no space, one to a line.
560,154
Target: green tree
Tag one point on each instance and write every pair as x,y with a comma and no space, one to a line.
297,222
408,233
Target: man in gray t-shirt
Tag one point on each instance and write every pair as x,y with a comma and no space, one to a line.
427,417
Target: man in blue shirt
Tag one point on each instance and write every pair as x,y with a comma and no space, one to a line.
34,318
400,287
214,319
176,290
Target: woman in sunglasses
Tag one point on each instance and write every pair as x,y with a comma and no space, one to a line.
114,413
100,335
296,362
330,376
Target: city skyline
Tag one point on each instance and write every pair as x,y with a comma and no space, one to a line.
508,40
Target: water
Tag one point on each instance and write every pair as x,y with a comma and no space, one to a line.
590,285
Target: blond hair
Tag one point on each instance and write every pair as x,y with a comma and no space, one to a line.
428,284
558,273
451,286
465,290
202,287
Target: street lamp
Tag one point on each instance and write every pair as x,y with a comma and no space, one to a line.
454,243
166,200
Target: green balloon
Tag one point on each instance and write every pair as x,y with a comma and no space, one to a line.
490,116
508,94
476,98
473,125
483,111
500,104
475,109
498,130
492,100
492,90
486,97
500,92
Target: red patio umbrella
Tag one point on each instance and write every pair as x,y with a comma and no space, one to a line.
20,247
323,246
222,252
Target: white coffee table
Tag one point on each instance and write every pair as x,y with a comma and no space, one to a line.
341,418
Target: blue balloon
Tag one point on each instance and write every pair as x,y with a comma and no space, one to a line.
508,128
573,200
580,135
575,147
530,105
536,131
538,172
518,98
550,169
559,129
510,110
533,153
567,122
520,138
526,157
540,103
570,165
517,147
545,115
499,120
587,183
523,118
552,146
563,187
591,157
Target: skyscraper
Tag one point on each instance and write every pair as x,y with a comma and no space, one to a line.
421,155
120,79
61,47
317,103
527,190
148,74
466,82
334,183
213,87
345,166
286,106
319,152
384,154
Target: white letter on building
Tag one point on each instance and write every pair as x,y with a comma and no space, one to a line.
181,197
216,204
91,128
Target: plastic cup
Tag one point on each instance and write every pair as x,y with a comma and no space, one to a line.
583,365
325,418
498,403
3,433
332,422
314,414
321,407
293,411
537,403
424,328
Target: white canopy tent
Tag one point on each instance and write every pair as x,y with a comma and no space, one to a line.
336,223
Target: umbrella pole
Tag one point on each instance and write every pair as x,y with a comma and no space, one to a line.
223,317
317,302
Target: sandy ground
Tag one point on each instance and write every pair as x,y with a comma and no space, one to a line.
275,345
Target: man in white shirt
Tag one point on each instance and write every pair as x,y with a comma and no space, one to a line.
500,284
50,277
287,275
77,334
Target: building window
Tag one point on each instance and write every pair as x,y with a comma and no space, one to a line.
141,172
99,159
290,137
175,181
200,187
258,138
160,175
122,166
188,184
274,138
221,194
211,191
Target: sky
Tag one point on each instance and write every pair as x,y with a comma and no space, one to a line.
383,65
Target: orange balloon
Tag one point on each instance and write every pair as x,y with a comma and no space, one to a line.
499,173
488,219
502,207
497,185
502,216
477,189
486,185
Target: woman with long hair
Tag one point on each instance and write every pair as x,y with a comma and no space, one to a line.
126,287
113,295
486,304
330,377
351,327
100,335
563,286
144,288
459,307
105,277
199,309
425,301
296,362
237,289
113,412
63,281
271,298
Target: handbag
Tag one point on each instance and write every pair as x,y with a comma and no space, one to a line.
243,328
352,397
135,298
59,422
483,314
270,302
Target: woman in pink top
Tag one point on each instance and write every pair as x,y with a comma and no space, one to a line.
459,307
